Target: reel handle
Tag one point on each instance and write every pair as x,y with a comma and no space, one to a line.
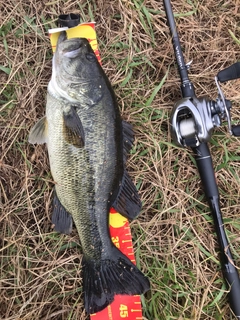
230,73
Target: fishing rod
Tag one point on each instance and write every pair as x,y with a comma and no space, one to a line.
192,122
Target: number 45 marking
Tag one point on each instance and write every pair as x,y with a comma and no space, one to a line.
123,311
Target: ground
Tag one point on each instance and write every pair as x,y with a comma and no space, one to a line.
174,238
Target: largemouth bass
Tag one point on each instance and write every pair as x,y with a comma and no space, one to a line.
87,145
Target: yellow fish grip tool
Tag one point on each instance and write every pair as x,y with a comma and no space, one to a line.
123,306
83,30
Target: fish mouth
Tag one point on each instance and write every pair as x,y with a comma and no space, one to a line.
72,54
62,37
71,48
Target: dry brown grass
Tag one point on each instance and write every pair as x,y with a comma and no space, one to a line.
174,237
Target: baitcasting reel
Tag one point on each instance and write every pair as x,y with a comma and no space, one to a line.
193,119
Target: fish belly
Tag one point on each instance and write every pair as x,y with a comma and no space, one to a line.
85,176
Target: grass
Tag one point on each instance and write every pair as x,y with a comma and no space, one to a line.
174,239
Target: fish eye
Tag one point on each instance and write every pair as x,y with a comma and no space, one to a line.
90,56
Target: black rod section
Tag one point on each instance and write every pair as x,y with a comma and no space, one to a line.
230,273
187,87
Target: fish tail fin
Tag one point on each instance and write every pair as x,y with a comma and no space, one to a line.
105,278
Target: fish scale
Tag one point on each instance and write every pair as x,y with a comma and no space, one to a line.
87,145
76,178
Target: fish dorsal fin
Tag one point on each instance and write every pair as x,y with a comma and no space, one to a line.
73,129
61,219
128,139
127,201
38,133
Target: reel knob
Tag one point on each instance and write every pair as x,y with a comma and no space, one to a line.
236,131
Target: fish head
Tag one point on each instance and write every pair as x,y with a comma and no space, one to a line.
76,73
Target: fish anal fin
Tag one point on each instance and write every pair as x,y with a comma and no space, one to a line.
103,279
72,128
38,133
127,202
61,219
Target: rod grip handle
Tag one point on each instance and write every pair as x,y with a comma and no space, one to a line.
230,73
233,282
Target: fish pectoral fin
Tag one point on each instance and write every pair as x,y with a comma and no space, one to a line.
73,129
128,138
61,219
103,279
38,133
127,202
